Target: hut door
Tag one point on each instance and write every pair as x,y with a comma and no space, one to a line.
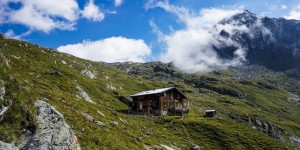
141,105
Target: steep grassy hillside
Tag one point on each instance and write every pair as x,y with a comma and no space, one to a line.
252,95
82,89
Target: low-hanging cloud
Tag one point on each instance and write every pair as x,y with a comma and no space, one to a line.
294,13
114,49
192,48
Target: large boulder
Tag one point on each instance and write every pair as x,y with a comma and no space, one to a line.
52,132
195,147
7,146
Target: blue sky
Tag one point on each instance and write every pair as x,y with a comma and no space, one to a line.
111,21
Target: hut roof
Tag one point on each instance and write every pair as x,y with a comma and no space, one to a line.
210,110
156,91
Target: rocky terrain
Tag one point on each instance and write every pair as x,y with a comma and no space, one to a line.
270,42
51,100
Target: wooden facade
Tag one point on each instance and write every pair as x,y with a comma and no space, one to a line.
159,102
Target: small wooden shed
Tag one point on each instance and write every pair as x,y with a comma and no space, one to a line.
160,102
210,113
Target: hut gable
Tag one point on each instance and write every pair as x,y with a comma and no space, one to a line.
159,102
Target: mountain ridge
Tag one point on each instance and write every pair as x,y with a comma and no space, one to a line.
271,42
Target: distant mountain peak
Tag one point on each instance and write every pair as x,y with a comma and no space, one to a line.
270,42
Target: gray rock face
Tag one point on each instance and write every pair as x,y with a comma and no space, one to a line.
89,74
88,117
110,86
195,147
3,109
265,127
7,146
92,119
99,123
294,97
295,140
63,62
2,91
115,123
5,60
83,94
271,42
112,111
53,132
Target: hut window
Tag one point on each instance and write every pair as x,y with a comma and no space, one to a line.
172,98
165,94
155,103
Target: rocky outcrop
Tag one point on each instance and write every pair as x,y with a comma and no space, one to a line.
263,126
92,119
295,140
110,86
83,94
88,73
271,42
52,132
3,108
268,128
294,97
7,146
2,91
195,147
5,60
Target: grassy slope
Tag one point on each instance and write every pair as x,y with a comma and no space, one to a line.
259,94
34,76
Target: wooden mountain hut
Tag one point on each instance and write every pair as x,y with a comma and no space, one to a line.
159,102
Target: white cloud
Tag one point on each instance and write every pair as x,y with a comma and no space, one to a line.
47,15
67,9
294,13
3,11
92,12
157,31
118,2
192,48
43,15
283,7
114,49
276,7
11,34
